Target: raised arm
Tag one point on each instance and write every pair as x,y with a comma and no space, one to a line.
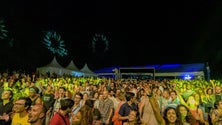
156,111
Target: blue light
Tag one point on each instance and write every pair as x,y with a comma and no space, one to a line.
77,74
187,77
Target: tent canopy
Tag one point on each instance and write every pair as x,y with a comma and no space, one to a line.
55,67
87,71
72,66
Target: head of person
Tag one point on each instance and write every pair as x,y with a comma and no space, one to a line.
85,96
189,86
105,94
134,116
37,114
78,97
96,95
184,113
22,104
118,90
7,95
217,89
191,101
209,91
166,93
121,96
170,116
87,112
62,91
66,105
218,104
197,98
173,94
129,96
33,91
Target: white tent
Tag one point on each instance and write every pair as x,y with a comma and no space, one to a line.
53,67
74,71
72,66
87,71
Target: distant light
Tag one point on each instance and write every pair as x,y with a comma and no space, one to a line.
187,77
78,74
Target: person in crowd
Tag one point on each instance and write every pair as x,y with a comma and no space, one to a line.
208,102
185,115
85,97
34,95
194,108
217,93
21,108
95,96
121,101
37,114
170,117
188,91
106,108
111,87
97,119
133,119
85,114
6,105
48,99
146,111
174,99
127,106
97,101
165,100
58,98
216,115
78,104
61,117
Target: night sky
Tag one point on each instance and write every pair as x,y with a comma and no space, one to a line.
139,33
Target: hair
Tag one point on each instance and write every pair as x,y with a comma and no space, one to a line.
96,114
129,96
28,102
189,117
167,90
138,96
87,113
137,121
217,103
89,103
11,93
79,94
44,109
174,91
177,122
95,94
66,103
62,88
121,96
35,88
208,90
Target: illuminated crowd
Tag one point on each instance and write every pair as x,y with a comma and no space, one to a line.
33,99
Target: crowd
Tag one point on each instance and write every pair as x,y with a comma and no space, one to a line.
32,99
